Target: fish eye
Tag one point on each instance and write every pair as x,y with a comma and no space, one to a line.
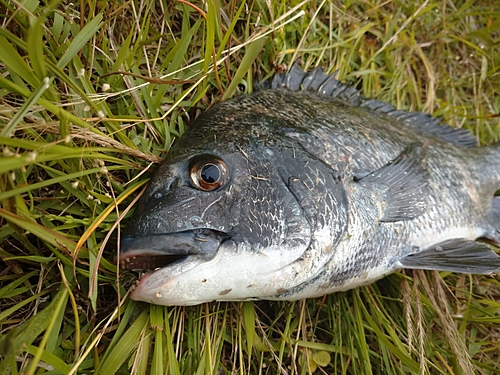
208,172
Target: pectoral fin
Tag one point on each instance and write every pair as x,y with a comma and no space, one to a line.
401,185
456,255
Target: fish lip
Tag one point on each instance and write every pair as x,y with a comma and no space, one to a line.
156,251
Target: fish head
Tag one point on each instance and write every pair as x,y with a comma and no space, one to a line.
217,221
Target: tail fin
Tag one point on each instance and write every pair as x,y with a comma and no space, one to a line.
493,233
493,166
489,173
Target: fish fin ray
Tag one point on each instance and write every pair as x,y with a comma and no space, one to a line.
401,184
295,79
455,255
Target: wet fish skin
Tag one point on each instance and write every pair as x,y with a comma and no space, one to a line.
327,191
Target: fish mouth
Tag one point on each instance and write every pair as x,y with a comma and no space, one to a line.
155,251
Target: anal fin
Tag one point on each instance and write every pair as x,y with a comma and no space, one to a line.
455,255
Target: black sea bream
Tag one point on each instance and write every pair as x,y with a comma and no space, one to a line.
305,188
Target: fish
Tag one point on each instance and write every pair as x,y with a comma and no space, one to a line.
306,187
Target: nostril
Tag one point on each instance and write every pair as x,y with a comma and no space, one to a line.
172,183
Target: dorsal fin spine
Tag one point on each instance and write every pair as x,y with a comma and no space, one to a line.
296,79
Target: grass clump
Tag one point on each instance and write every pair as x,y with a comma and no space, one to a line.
92,95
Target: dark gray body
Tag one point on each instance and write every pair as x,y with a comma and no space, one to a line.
327,191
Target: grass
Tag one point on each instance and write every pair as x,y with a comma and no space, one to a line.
92,94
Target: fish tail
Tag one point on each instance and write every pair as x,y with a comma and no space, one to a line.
495,221
484,163
493,166
491,172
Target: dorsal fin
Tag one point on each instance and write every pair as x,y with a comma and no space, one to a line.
295,79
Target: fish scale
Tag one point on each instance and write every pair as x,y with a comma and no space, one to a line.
325,190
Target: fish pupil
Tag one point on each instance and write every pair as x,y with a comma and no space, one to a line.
210,173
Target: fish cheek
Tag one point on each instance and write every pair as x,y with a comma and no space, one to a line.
195,209
271,224
180,209
259,224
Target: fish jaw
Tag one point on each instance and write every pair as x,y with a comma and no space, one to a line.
235,273
155,287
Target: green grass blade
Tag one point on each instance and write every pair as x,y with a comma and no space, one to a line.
35,48
157,323
15,63
125,320
64,177
51,359
58,309
53,108
128,342
85,34
26,333
249,322
7,290
172,362
211,26
230,30
45,234
251,54
28,104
